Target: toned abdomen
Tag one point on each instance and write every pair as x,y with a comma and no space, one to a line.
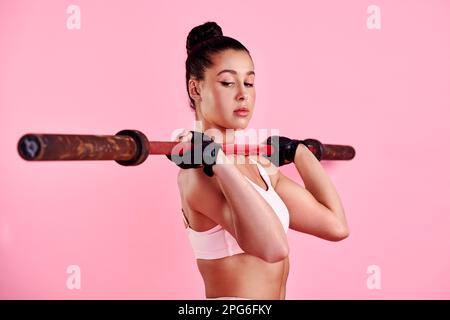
244,275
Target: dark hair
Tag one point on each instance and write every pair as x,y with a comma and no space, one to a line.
202,42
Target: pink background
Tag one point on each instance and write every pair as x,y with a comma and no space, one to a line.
321,73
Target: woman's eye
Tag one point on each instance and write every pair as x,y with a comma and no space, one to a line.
228,83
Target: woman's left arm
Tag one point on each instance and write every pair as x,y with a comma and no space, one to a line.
316,208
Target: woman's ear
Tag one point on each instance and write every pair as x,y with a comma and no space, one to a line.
194,89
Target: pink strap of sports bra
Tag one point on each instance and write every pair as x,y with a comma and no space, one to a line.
184,217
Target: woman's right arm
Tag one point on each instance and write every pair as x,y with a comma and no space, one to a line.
258,230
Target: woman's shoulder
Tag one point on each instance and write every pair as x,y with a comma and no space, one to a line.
194,183
202,199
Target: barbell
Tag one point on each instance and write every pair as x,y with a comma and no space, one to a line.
131,148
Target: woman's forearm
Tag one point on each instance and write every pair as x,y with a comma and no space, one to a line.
317,182
258,229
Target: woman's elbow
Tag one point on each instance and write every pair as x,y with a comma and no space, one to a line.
276,256
339,233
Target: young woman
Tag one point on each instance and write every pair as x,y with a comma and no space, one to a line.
236,214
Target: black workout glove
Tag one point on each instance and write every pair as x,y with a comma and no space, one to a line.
203,153
285,148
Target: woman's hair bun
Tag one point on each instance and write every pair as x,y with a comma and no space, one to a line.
202,33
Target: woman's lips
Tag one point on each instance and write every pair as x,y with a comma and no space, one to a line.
242,112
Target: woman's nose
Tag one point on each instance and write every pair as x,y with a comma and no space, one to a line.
243,94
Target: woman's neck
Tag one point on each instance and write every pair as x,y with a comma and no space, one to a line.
217,133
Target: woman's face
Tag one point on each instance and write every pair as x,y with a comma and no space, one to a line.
222,92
